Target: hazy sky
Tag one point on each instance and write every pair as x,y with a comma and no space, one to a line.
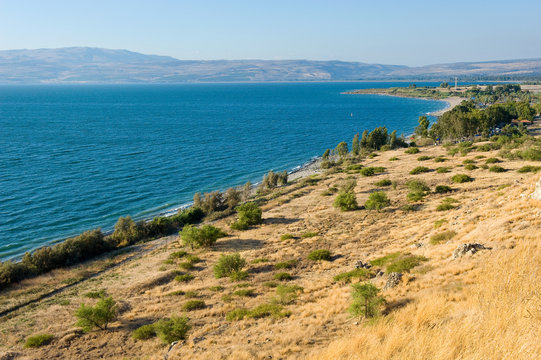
406,32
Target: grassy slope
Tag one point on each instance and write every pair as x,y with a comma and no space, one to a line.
476,307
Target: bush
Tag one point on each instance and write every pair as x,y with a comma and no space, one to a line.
193,305
95,294
405,263
286,237
228,264
385,259
144,332
283,276
529,168
237,314
38,340
366,301
286,294
415,196
424,158
368,171
444,236
419,170
492,161
442,170
417,185
100,315
412,150
361,274
439,159
174,329
470,167
285,264
384,182
496,169
238,275
205,236
394,158
309,234
468,161
186,265
442,189
377,201
248,214
461,178
265,310
439,223
321,254
244,292
407,208
444,206
184,278
346,201
178,254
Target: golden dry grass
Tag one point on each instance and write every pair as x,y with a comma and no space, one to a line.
485,306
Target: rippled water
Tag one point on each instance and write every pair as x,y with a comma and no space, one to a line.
74,158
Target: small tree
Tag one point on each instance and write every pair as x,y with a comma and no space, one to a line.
346,201
326,155
342,149
99,315
422,129
356,145
232,197
366,301
126,231
377,201
248,214
228,264
204,236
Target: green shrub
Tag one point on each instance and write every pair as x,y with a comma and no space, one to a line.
366,301
361,274
461,178
178,254
248,214
496,169
354,167
309,234
485,147
424,158
286,294
238,275
439,223
442,170
186,265
237,314
270,284
286,237
394,158
99,315
285,264
407,208
205,236
217,288
468,161
412,150
439,159
444,236
38,340
415,196
192,259
95,294
377,201
405,263
492,161
176,293
443,189
346,201
184,278
368,171
444,206
385,259
260,260
144,332
419,170
321,254
283,276
266,310
245,292
193,305
174,329
228,264
529,168
470,167
417,185
384,182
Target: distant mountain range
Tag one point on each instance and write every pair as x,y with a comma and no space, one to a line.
96,65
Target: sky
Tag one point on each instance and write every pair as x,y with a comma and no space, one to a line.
406,32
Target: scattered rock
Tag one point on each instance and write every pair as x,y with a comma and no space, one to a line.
470,248
380,273
9,355
198,339
362,265
393,280
416,245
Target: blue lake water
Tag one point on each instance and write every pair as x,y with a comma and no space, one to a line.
74,158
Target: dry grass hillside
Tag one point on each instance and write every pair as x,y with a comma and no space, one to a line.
485,305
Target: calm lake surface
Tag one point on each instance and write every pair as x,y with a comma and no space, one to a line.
73,158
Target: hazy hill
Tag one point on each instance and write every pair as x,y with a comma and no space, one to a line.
96,65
